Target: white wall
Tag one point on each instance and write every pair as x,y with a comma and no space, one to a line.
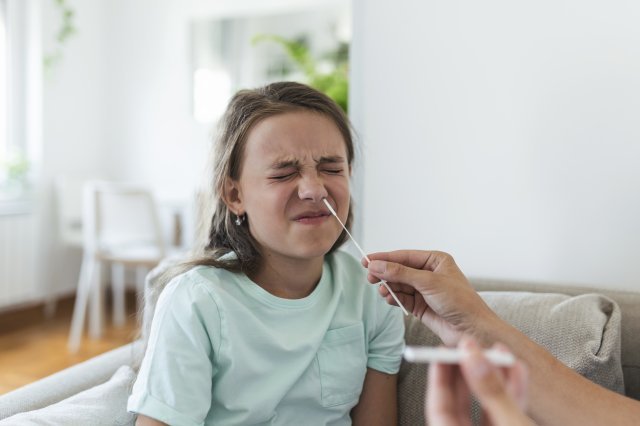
153,134
75,113
74,122
506,133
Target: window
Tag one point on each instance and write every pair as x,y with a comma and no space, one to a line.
3,85
20,92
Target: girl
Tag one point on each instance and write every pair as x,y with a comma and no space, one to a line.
272,325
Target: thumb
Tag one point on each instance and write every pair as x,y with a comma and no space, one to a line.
483,378
488,385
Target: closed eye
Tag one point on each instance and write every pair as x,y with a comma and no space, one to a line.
282,177
333,171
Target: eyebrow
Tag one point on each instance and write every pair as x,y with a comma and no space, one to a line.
330,159
285,164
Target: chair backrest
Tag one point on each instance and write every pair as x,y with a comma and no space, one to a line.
119,215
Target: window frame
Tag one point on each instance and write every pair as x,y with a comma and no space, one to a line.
22,102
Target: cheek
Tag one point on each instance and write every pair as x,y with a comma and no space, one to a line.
268,202
344,189
341,193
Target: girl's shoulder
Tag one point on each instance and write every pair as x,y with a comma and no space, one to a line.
198,283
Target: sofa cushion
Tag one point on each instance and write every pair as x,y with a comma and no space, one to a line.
105,404
627,301
582,331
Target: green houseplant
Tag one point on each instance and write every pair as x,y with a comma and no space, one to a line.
65,31
14,170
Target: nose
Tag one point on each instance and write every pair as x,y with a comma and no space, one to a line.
312,188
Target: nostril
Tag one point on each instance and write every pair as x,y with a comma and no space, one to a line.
313,192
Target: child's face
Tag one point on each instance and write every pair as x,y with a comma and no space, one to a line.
291,162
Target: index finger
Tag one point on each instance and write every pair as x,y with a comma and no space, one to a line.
399,274
418,259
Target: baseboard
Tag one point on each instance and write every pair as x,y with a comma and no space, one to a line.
29,314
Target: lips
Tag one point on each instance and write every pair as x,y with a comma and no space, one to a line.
312,215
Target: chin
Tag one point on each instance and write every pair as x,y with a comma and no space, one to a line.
312,254
314,251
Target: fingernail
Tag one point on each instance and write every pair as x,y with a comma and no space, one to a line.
378,266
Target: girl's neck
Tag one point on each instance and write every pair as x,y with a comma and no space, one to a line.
288,278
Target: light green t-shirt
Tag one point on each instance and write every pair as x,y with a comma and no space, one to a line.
223,351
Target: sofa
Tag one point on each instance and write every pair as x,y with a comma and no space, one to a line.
593,331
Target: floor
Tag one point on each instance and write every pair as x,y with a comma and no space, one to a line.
32,346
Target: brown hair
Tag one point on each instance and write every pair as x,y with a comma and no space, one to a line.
245,110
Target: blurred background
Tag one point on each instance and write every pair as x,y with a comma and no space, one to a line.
505,133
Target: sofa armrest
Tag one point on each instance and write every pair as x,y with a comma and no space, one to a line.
70,381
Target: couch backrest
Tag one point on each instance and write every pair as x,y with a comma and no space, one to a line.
629,303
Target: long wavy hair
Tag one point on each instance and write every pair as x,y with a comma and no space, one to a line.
219,235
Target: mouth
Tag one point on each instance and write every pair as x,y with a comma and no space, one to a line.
312,216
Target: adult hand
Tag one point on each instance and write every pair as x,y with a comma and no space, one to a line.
502,392
431,286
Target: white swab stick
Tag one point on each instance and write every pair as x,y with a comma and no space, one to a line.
425,354
333,212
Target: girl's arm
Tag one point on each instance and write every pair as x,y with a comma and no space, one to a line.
148,421
378,400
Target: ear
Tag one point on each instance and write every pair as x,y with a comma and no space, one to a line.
232,196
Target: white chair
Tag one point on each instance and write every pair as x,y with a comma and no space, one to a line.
121,227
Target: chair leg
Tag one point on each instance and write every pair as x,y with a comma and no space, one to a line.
117,288
80,305
50,306
95,317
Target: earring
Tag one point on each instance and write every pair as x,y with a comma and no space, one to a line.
239,219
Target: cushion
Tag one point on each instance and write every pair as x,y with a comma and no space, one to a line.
627,301
583,332
105,404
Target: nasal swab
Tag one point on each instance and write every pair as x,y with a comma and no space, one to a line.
426,354
333,212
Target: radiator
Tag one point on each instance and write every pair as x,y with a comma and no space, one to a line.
17,259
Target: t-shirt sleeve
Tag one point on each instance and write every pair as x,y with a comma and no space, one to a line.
386,338
175,378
